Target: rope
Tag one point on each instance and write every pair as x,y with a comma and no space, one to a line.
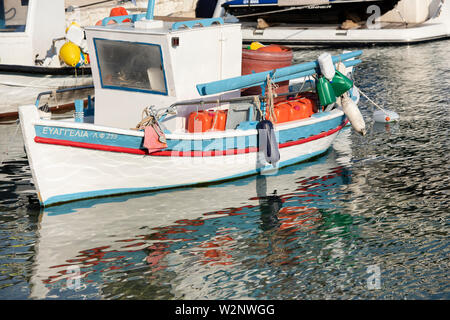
370,100
270,98
149,119
257,104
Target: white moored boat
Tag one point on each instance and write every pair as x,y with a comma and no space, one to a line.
32,34
341,22
186,79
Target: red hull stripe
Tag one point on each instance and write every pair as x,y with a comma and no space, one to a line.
173,153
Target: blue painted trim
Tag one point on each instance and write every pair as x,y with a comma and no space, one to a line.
150,9
219,144
108,192
281,74
89,136
191,23
166,93
120,19
2,14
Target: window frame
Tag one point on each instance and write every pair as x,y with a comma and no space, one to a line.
165,93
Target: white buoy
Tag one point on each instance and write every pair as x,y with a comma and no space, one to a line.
382,115
385,116
353,114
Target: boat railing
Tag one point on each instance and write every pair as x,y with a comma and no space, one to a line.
62,90
119,19
192,23
282,74
163,112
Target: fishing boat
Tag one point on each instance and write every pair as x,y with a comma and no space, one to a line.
30,46
169,113
341,22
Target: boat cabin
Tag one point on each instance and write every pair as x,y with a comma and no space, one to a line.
28,28
157,63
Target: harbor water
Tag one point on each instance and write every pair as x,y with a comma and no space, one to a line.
367,220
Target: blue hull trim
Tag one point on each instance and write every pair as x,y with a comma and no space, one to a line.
109,192
134,142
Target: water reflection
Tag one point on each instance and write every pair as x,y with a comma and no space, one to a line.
234,240
314,232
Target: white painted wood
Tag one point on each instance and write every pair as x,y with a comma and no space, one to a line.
204,54
61,170
425,24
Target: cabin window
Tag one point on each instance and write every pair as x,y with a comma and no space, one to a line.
13,15
131,66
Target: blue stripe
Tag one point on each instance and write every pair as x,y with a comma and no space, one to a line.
89,136
219,144
108,192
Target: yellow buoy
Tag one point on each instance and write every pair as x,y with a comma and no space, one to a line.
70,53
256,45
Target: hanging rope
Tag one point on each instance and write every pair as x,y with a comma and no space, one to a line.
370,100
149,118
270,97
257,104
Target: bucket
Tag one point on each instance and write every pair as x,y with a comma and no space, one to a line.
325,92
265,59
341,84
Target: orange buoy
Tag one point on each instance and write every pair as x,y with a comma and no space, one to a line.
119,11
273,48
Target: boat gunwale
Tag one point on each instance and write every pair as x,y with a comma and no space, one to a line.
196,135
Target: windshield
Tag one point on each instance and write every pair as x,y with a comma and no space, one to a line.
129,65
13,15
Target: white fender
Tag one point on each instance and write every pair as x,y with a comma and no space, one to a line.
353,114
326,65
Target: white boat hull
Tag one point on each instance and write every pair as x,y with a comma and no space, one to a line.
68,231
64,173
386,33
17,90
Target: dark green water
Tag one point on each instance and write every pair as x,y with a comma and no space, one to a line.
367,220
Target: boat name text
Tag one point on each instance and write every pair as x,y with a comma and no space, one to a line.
67,132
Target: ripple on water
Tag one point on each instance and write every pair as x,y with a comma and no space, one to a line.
374,205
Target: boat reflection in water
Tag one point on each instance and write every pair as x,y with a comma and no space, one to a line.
222,241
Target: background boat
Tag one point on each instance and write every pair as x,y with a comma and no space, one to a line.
305,11
341,23
30,42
